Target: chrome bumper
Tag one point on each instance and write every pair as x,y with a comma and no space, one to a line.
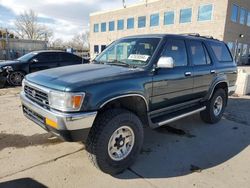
231,90
65,121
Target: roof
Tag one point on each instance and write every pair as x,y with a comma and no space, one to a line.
42,51
189,36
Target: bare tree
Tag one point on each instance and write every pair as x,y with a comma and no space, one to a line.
27,27
80,41
57,44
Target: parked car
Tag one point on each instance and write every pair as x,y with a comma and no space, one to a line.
136,82
36,61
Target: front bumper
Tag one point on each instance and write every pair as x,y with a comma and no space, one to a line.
69,126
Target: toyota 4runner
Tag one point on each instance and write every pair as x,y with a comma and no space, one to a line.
136,82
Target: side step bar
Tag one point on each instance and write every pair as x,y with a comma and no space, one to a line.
180,116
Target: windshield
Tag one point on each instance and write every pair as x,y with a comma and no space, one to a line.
27,57
132,52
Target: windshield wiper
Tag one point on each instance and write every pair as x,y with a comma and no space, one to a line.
118,63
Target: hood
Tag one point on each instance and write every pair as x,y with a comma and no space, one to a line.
77,76
9,63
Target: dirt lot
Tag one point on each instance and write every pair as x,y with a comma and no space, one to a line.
187,153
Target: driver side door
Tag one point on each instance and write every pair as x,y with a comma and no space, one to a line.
173,86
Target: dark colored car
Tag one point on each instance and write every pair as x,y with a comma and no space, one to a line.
136,82
36,61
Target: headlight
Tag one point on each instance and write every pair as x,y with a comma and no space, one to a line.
66,102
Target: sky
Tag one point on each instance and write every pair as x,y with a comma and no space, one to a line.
65,17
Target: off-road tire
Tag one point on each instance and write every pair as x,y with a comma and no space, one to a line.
97,142
208,115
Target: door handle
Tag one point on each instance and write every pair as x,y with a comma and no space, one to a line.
188,74
212,71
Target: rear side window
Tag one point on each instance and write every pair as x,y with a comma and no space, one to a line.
221,51
199,53
67,57
177,50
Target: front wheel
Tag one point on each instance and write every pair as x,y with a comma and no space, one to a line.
15,78
215,107
115,140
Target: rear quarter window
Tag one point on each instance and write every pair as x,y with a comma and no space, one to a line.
221,52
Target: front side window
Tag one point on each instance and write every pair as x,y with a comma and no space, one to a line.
130,23
221,51
234,13
154,20
120,24
248,19
111,26
185,15
132,52
103,27
205,12
177,50
169,18
198,53
243,16
141,21
96,28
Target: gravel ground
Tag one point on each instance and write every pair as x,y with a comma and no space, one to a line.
187,153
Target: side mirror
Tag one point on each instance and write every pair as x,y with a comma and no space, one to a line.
165,62
34,61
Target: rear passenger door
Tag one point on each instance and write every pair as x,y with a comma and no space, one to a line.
69,59
203,67
172,86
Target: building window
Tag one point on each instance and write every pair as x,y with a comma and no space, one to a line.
120,24
248,19
244,50
169,18
243,16
96,49
141,21
154,20
205,12
130,23
111,26
103,47
103,27
234,13
96,28
185,15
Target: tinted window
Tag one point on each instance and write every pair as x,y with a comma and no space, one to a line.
205,12
48,57
185,15
130,23
67,57
111,26
234,13
141,21
96,28
103,27
243,13
169,18
198,54
177,50
221,51
120,24
154,20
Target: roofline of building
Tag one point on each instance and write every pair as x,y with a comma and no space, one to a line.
129,6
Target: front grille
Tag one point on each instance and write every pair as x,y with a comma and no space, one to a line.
37,96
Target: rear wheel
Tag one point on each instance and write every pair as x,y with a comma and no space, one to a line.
215,107
115,140
15,78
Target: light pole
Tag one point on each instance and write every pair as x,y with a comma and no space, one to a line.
236,47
